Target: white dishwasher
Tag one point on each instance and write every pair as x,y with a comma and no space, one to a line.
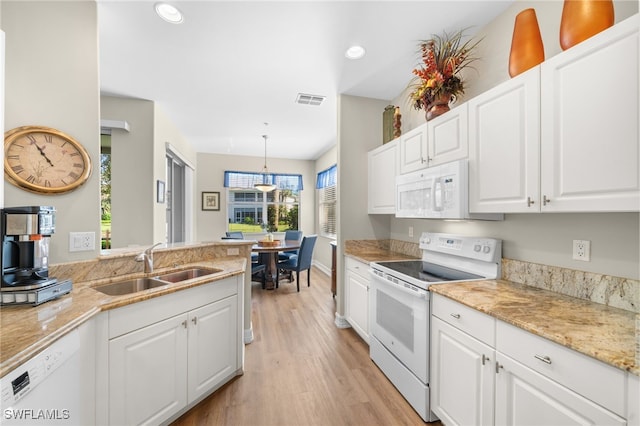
47,388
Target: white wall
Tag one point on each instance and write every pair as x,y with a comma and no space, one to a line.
51,79
210,168
540,238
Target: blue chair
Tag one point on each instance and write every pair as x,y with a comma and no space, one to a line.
257,268
290,235
235,235
301,262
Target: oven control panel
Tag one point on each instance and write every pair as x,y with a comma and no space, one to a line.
485,249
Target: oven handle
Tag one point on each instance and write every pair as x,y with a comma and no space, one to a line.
419,293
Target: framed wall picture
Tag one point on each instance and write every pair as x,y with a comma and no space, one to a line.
160,191
211,201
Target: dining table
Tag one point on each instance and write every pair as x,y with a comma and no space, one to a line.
268,251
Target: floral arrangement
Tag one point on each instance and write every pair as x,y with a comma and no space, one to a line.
443,57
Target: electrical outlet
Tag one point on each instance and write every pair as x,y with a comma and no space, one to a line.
582,250
411,231
82,241
233,251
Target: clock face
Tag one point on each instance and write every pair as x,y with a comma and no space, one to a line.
44,160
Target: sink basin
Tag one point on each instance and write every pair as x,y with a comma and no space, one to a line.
187,274
130,286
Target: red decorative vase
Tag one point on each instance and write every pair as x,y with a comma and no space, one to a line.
527,49
582,19
438,107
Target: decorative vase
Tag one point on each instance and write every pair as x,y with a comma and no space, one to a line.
527,49
439,106
397,123
583,18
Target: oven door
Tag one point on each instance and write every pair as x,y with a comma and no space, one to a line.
400,322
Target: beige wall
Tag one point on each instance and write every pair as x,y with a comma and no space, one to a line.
51,79
540,238
210,168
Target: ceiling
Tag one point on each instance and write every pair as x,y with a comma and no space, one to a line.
232,66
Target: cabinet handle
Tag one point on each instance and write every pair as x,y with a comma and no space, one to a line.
485,359
194,320
456,316
498,367
544,359
545,200
530,202
184,323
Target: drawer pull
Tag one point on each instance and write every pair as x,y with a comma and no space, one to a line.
498,367
544,359
485,359
456,316
194,320
184,323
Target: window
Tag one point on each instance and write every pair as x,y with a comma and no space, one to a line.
327,201
246,206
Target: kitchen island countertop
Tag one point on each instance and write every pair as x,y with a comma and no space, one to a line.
26,330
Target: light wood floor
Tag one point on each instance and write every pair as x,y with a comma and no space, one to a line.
303,370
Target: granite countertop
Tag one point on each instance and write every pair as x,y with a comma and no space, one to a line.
27,330
605,333
376,254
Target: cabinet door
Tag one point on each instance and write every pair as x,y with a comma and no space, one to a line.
524,397
213,343
357,301
413,150
462,377
148,373
447,137
590,157
504,141
383,165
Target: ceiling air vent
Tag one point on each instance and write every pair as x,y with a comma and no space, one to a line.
306,99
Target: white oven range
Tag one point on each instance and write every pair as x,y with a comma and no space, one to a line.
399,306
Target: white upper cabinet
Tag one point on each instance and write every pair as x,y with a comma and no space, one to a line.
383,167
413,149
438,141
589,114
447,137
561,137
504,144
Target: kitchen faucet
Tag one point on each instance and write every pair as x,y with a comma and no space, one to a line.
147,257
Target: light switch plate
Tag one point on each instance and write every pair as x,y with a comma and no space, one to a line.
82,241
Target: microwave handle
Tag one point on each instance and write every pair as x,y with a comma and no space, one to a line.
436,201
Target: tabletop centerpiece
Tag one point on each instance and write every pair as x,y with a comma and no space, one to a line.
437,80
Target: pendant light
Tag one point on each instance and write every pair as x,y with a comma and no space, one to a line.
264,186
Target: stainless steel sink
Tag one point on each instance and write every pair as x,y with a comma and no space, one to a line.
187,274
130,286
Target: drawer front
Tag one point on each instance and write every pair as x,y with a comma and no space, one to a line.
595,380
357,267
473,322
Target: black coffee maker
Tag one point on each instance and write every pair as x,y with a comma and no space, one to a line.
26,233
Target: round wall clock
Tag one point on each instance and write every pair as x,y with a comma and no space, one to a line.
44,160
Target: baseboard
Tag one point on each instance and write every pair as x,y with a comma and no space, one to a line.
322,268
248,335
341,321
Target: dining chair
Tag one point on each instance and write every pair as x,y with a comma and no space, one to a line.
257,268
301,262
290,235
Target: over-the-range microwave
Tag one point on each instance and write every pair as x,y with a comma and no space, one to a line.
439,192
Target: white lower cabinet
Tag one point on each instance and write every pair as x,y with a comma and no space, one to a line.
167,353
148,373
356,278
462,377
518,378
525,397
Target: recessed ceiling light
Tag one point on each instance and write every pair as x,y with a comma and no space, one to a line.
355,52
169,13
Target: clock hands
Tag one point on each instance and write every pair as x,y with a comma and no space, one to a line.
44,155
